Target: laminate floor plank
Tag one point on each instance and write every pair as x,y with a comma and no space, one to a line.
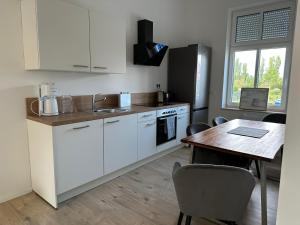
145,196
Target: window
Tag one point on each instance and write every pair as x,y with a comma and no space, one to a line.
259,50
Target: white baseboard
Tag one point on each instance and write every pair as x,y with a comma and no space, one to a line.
72,193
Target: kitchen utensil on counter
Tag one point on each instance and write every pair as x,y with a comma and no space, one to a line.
160,96
66,104
166,97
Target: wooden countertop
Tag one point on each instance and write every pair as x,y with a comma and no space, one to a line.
218,139
88,116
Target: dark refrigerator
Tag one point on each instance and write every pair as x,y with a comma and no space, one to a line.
189,78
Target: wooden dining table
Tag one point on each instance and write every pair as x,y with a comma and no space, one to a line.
263,149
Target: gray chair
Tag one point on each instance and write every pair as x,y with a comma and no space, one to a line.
206,156
214,192
196,128
275,118
219,120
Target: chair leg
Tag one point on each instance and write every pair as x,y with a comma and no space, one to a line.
188,220
257,169
180,218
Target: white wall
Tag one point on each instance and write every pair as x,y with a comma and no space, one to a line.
289,195
176,23
16,84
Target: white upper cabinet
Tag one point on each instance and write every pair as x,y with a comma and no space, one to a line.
56,36
62,36
108,43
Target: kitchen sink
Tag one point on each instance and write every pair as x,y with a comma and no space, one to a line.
111,110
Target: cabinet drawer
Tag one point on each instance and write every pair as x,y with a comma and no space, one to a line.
182,109
147,116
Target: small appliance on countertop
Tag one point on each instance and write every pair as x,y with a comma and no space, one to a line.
124,100
163,97
47,100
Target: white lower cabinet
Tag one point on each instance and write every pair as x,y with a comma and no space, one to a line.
78,154
120,142
183,121
66,158
146,139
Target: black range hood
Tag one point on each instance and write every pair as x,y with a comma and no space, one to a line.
146,52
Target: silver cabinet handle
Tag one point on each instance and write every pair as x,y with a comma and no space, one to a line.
150,124
100,67
145,116
111,122
79,128
80,66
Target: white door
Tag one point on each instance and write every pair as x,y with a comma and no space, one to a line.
78,154
146,139
63,36
108,43
183,121
120,142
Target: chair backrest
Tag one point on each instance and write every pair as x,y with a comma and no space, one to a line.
215,192
219,120
196,128
275,118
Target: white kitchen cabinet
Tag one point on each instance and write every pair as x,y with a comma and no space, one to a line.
108,43
120,142
183,121
55,36
78,154
146,116
146,139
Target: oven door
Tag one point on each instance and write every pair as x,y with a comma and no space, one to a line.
166,129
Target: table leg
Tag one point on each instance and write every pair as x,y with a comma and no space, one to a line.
263,185
192,155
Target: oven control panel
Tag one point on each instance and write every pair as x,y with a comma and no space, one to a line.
166,112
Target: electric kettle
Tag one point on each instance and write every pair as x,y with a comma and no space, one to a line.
47,100
48,106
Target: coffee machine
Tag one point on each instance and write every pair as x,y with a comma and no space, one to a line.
47,100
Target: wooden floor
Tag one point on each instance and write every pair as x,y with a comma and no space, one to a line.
144,196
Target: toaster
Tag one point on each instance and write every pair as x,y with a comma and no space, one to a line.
124,99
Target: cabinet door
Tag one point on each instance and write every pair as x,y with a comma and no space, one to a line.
78,154
63,36
183,121
146,139
108,43
120,142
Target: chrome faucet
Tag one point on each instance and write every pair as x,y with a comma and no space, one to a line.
97,100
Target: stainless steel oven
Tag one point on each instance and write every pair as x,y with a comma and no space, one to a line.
166,125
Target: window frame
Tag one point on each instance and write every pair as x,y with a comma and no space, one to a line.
258,45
